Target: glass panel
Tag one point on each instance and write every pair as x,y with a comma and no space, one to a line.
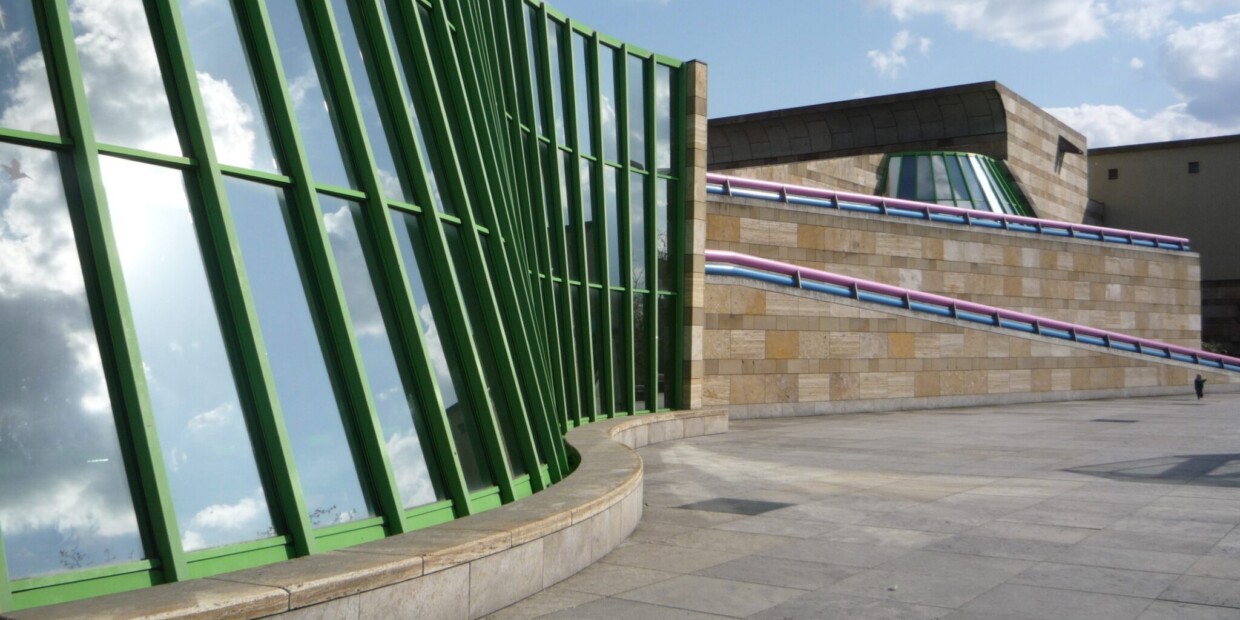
637,228
925,185
533,38
394,391
637,112
314,412
959,189
908,178
226,81
667,350
582,71
663,119
477,304
587,215
428,148
663,235
365,83
124,87
567,216
641,351
443,359
610,106
66,502
612,196
207,447
312,104
596,321
977,196
559,89
553,243
942,188
619,348
893,176
25,96
487,252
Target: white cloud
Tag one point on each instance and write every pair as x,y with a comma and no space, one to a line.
890,62
1055,24
1136,63
216,417
224,523
231,121
1203,64
1112,125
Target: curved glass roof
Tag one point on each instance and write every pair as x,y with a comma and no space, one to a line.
965,180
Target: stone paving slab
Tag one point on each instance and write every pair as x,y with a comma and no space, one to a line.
1000,513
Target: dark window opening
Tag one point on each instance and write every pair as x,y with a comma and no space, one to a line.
1112,174
1194,167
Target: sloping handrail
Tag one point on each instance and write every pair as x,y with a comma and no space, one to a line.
847,201
788,274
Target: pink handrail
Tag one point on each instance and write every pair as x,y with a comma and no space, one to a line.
785,190
1038,323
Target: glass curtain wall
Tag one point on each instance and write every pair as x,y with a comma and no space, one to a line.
282,276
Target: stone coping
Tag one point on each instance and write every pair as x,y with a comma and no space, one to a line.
463,569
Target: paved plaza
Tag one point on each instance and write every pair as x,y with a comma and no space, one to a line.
1107,509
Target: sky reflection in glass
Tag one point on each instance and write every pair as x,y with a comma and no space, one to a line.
313,410
238,125
25,97
65,501
202,427
312,105
393,392
124,86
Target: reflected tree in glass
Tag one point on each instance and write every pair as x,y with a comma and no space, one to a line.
65,502
203,432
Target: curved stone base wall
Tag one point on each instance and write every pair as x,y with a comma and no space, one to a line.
463,569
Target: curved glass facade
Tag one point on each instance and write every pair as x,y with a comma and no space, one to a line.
965,180
279,277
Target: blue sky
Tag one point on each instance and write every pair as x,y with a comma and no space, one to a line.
1122,72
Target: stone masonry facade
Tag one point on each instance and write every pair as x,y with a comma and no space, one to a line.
1139,291
773,350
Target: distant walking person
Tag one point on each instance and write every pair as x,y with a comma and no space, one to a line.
1199,384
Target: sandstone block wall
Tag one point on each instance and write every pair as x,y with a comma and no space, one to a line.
1144,292
1039,155
773,350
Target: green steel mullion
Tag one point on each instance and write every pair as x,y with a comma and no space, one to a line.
382,234
600,225
357,144
652,250
508,298
558,244
460,89
676,210
228,275
304,202
135,414
585,344
625,223
443,265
